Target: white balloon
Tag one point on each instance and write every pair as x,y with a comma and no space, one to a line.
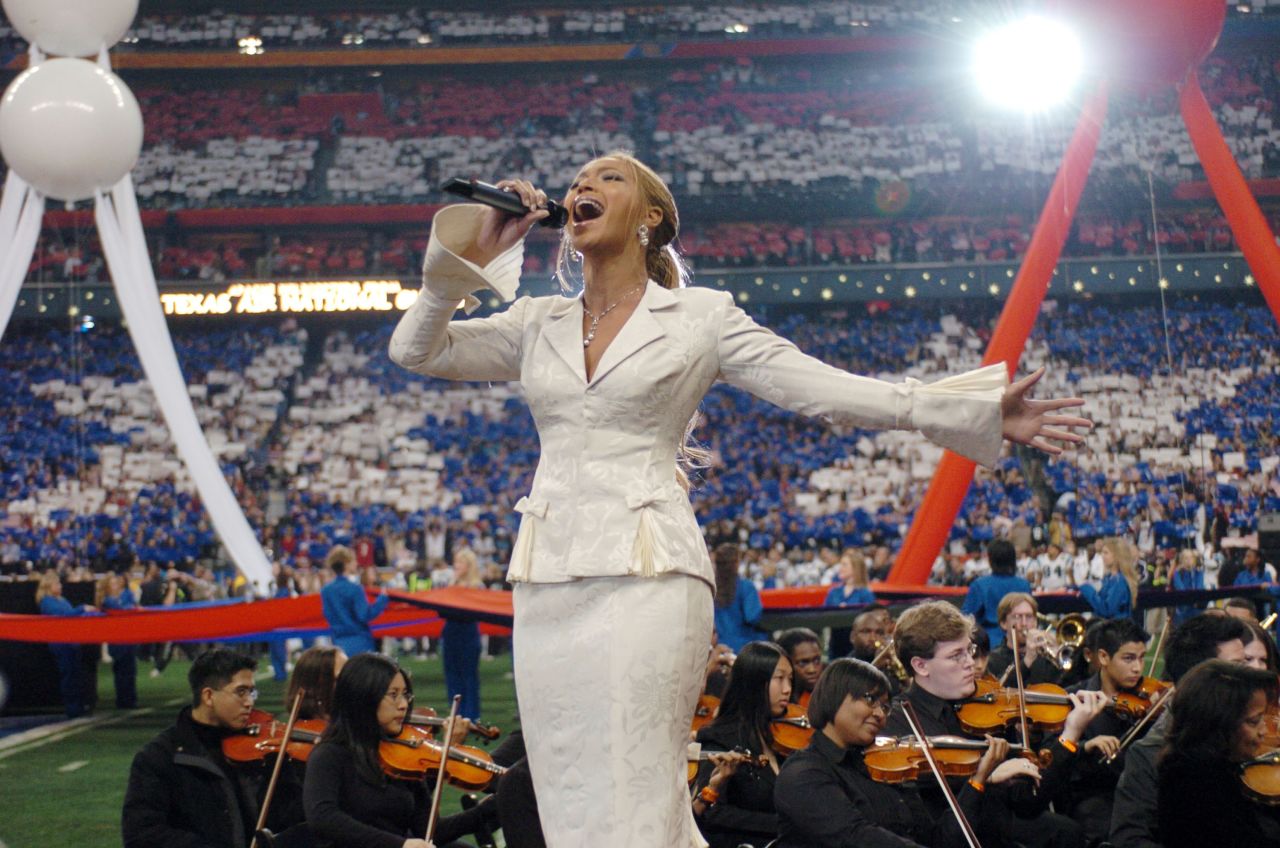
71,27
69,127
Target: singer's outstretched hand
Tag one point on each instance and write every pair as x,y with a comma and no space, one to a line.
501,230
1037,422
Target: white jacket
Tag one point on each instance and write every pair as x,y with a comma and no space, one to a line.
605,501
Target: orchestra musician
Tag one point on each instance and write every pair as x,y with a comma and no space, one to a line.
1120,647
1017,611
934,646
350,802
804,649
182,791
1201,637
826,799
1215,723
741,812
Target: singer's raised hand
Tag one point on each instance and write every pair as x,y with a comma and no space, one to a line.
1037,422
500,230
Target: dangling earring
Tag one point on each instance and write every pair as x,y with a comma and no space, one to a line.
644,235
569,249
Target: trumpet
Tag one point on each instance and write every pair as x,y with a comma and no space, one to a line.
887,655
1068,634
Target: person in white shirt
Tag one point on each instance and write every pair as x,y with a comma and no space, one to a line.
1053,570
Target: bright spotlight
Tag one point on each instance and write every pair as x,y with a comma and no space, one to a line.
1031,64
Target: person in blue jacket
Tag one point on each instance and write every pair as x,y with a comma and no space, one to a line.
737,602
852,590
460,641
1119,593
1188,575
983,600
346,607
116,595
67,656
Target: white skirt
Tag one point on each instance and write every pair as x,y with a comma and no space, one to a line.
608,672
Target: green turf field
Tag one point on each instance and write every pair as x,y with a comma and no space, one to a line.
48,801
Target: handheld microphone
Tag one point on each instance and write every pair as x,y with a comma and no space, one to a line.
507,201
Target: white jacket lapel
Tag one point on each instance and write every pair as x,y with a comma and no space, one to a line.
641,329
563,331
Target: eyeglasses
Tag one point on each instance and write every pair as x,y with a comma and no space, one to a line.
877,702
960,657
392,697
243,693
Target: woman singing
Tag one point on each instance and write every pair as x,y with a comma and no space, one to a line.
613,600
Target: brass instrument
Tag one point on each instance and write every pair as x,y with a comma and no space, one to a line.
887,655
1267,622
1068,631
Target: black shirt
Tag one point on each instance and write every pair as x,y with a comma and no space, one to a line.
1040,671
938,718
347,809
825,799
1201,803
745,811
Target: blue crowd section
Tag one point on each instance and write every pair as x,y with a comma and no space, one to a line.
42,449
767,456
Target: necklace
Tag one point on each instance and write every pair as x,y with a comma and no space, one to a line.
595,319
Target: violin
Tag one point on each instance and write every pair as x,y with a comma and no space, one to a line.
1135,704
426,717
413,754
263,738
705,711
792,731
991,709
1261,778
758,760
901,760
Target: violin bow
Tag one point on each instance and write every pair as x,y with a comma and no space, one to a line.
913,720
1022,694
445,743
1132,734
1164,631
275,771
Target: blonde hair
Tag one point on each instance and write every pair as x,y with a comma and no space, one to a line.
45,586
923,626
1011,600
472,577
1125,555
662,262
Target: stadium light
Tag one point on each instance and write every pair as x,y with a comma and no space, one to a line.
1031,64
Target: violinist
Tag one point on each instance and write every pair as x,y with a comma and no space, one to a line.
1120,648
825,798
1017,611
804,649
350,802
1260,651
1201,637
182,791
934,646
981,654
741,812
314,675
1215,724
